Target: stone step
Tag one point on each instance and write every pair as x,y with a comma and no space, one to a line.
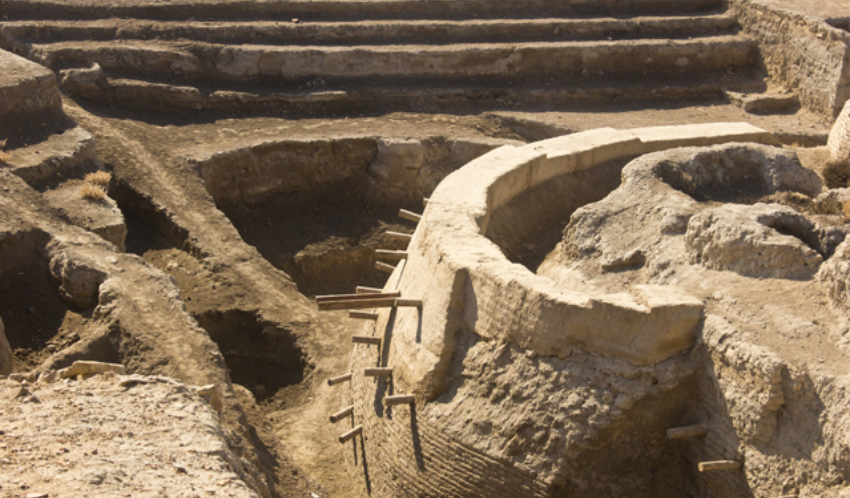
374,64
313,10
61,156
158,97
375,32
102,217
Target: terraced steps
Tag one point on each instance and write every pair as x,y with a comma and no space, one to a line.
189,61
338,10
373,32
378,56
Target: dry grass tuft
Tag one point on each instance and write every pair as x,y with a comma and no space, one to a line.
101,178
91,192
4,156
836,174
845,209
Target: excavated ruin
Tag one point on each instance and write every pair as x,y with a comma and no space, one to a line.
629,276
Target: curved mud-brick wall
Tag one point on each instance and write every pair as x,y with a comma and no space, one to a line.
467,284
839,136
806,55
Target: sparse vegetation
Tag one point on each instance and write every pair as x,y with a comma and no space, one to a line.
836,174
100,178
92,192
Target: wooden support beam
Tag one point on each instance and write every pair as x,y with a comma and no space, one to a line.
336,417
399,399
386,253
360,339
363,315
339,379
385,302
350,434
687,431
401,237
417,303
368,290
409,215
357,297
719,465
379,265
378,372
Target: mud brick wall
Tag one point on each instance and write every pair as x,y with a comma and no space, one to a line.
807,56
400,454
741,388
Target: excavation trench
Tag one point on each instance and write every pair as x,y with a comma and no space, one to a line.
37,321
318,209
260,356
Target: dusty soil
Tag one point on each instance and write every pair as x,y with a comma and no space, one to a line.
117,436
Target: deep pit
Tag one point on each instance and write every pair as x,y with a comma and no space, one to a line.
323,237
259,356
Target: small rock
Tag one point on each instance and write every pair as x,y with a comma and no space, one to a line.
90,368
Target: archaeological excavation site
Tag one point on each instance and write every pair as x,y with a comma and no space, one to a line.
425,248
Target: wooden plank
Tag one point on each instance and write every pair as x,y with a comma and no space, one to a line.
368,290
363,315
336,417
409,302
385,253
387,302
356,297
409,215
401,237
687,431
359,339
378,372
399,399
351,434
719,465
380,265
339,379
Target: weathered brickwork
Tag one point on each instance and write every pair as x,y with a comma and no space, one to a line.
401,455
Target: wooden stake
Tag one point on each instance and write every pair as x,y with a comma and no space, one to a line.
359,339
357,297
417,303
719,465
425,201
688,431
386,302
350,434
363,315
378,372
399,399
368,290
339,379
409,215
384,253
336,417
401,237
384,267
